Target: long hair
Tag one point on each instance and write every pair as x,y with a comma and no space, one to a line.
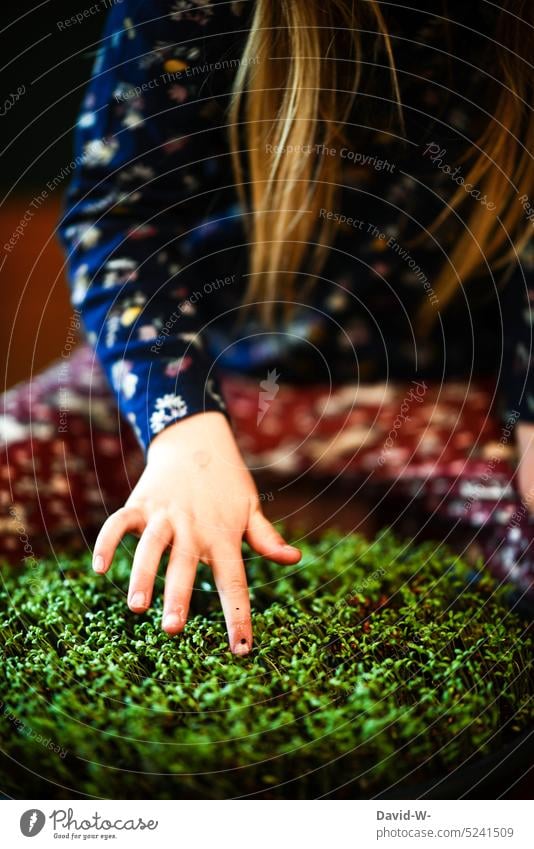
288,96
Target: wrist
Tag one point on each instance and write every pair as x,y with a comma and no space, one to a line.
186,435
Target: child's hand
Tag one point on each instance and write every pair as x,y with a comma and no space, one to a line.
196,496
525,472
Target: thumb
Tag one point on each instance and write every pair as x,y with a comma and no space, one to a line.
265,540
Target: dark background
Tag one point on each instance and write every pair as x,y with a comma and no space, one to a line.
54,65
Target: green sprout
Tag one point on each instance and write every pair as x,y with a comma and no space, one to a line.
373,663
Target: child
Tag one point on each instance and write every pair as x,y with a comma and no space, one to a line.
322,214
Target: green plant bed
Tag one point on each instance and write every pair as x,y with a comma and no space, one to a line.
373,664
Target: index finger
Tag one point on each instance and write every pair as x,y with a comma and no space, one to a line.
231,582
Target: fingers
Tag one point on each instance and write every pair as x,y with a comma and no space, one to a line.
227,565
265,539
157,536
231,582
113,530
179,582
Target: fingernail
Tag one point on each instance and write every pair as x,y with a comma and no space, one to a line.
172,622
290,549
98,563
138,601
242,647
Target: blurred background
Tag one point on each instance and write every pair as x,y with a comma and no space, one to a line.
46,63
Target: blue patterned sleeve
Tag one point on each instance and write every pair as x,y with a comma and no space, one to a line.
146,143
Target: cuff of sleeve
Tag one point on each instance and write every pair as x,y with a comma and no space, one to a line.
154,396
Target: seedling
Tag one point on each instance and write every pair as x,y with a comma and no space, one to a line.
372,663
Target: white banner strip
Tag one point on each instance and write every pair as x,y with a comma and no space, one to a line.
268,825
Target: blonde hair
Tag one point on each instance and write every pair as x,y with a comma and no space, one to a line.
288,95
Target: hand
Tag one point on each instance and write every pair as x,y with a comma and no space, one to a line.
197,497
525,472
